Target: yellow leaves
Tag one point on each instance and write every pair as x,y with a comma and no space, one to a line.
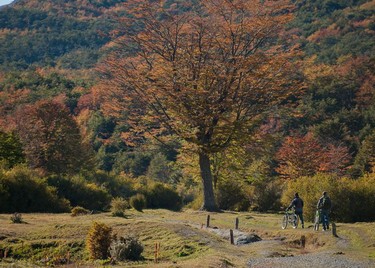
323,33
313,71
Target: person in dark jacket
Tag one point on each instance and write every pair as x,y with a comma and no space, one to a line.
324,205
297,204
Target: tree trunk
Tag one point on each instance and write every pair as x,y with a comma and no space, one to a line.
209,202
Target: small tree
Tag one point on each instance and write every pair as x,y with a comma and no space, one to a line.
99,240
118,206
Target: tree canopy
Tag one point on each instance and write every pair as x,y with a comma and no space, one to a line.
203,75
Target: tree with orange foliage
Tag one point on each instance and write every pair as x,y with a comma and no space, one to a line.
299,156
50,137
305,156
203,74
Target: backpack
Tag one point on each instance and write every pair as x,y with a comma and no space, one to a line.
326,203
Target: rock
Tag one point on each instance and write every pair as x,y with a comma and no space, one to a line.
247,239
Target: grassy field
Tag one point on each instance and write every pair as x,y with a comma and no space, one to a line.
185,241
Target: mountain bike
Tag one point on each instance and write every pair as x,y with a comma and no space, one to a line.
320,219
317,220
289,218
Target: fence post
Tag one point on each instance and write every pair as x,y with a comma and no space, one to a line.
231,237
334,232
157,252
237,222
208,221
303,241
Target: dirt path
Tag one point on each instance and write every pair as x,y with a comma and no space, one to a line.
270,255
312,260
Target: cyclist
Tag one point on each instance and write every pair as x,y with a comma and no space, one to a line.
324,205
297,204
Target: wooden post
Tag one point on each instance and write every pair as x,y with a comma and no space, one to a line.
303,241
334,232
156,256
208,221
237,222
231,237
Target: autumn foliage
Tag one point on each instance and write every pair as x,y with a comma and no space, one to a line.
202,75
305,156
50,137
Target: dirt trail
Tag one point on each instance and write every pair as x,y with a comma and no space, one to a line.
271,251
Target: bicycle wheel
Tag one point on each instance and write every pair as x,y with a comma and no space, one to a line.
284,222
294,220
316,221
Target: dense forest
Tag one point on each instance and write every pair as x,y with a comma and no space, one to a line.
61,147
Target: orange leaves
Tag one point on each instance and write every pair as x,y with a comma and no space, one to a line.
201,74
305,156
332,30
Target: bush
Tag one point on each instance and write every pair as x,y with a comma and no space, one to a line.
352,200
23,190
78,211
116,185
126,248
161,196
138,202
118,206
98,241
231,196
266,195
80,193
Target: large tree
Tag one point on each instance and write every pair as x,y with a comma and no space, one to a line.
203,74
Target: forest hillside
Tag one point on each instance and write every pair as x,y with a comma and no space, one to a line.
64,138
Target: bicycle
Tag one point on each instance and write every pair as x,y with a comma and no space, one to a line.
317,220
289,218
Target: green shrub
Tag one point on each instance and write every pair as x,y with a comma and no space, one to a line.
162,196
118,206
138,202
78,211
116,184
196,204
266,195
23,190
352,200
81,193
98,241
231,196
126,248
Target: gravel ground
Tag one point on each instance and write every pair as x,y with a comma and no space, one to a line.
313,260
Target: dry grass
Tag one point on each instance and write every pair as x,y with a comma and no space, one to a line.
48,239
